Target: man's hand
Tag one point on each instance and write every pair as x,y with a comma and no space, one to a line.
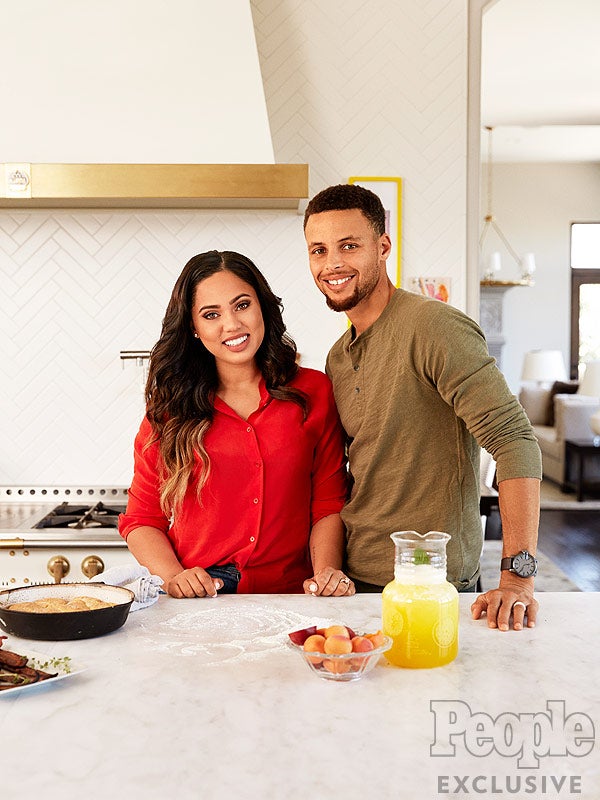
514,597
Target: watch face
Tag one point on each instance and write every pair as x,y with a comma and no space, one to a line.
524,565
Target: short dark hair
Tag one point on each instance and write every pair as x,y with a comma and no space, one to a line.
346,196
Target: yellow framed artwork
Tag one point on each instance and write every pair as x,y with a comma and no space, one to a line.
389,190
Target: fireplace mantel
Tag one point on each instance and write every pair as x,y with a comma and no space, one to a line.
490,311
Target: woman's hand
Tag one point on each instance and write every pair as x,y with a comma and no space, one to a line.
194,582
329,582
327,543
153,549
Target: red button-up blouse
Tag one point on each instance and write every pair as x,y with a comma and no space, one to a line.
272,478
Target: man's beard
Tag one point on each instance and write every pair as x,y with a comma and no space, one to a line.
343,305
360,293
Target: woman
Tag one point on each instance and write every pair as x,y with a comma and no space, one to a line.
239,462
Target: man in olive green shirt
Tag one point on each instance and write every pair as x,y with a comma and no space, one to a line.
418,395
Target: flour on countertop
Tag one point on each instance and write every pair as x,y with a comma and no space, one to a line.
233,633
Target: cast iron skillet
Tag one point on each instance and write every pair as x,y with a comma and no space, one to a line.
71,625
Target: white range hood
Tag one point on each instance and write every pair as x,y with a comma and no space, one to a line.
128,104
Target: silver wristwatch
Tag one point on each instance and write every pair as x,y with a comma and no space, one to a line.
523,564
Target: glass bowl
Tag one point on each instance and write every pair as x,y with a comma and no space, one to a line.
343,666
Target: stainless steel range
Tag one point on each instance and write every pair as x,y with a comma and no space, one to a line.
59,533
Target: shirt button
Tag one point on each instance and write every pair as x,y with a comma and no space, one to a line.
255,501
252,538
249,429
357,390
356,368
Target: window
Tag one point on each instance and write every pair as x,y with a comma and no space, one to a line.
585,245
585,294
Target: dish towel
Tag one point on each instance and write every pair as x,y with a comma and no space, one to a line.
142,583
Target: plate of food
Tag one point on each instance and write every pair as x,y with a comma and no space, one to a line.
21,670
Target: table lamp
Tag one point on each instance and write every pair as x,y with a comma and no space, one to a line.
590,385
543,366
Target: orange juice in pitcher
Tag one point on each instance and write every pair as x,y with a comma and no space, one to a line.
420,607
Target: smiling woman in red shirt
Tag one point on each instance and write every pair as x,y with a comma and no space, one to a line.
239,462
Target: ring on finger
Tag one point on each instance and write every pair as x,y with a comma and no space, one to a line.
345,580
520,603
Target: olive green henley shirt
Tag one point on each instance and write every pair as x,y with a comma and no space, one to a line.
418,393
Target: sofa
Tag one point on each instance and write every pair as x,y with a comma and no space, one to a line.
559,413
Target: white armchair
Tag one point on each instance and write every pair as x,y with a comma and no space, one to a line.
572,413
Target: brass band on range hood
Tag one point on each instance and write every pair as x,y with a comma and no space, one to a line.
155,185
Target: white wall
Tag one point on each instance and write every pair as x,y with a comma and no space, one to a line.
534,205
349,91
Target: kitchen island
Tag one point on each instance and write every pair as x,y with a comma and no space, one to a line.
204,699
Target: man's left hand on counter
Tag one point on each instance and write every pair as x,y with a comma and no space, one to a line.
499,604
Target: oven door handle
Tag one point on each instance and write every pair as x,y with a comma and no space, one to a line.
11,544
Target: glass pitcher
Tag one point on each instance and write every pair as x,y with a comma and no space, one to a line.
420,607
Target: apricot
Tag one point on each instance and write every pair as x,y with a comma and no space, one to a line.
337,630
314,644
360,644
337,667
377,638
338,644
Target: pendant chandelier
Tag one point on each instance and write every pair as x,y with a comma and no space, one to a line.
526,262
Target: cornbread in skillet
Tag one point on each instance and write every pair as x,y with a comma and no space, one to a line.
58,605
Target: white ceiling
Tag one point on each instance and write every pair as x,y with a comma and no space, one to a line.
541,80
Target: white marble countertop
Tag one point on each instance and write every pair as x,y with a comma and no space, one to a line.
204,699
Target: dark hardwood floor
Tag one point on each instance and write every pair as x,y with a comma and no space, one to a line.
571,539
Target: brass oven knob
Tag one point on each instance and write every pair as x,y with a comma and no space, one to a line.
58,567
92,566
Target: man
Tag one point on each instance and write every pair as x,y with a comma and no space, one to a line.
418,394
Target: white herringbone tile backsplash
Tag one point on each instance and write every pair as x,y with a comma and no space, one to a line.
77,288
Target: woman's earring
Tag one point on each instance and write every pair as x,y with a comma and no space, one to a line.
195,336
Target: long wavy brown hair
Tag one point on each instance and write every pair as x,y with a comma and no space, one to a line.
182,377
